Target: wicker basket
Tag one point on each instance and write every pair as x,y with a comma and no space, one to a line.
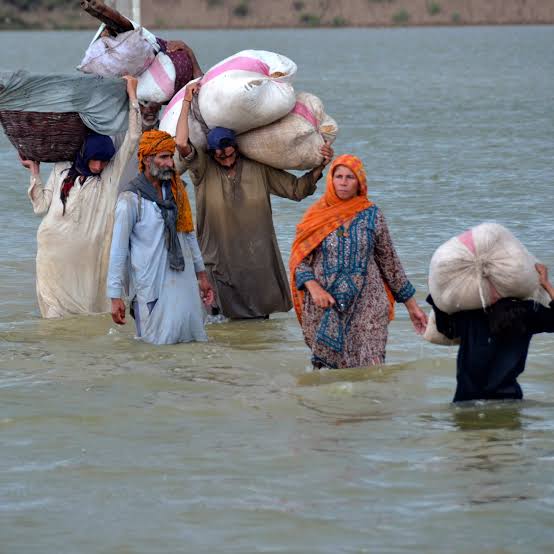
44,136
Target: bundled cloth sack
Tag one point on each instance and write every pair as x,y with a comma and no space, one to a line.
434,336
480,266
293,142
128,53
157,83
247,90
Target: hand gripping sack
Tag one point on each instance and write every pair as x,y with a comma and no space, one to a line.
170,116
293,142
128,53
157,83
248,90
480,266
434,336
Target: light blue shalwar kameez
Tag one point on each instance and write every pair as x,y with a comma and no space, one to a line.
166,303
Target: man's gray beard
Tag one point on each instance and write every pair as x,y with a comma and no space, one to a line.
161,174
149,126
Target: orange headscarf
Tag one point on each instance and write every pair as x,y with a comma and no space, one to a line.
324,217
151,143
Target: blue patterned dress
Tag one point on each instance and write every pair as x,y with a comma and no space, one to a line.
351,265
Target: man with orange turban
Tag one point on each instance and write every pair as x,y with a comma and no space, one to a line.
154,250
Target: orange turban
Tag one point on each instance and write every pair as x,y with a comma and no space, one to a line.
324,217
154,142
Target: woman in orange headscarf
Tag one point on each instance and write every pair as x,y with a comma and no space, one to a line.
344,258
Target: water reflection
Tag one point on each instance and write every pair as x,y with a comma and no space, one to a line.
480,415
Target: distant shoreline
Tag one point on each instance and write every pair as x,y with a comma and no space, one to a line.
288,14
24,28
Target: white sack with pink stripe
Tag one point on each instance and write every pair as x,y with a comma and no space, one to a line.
476,268
293,142
248,90
157,83
170,116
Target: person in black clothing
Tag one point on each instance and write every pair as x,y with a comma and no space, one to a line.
494,343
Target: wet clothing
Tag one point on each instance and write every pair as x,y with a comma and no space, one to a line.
73,247
488,365
236,234
166,303
352,265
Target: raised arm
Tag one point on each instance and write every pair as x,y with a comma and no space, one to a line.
542,320
40,196
182,131
129,145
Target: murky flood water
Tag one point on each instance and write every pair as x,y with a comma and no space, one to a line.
113,446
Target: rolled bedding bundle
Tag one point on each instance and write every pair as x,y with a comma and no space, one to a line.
480,266
293,142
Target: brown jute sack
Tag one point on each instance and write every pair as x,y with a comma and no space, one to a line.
294,141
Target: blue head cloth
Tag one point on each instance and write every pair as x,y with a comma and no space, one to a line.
221,137
95,147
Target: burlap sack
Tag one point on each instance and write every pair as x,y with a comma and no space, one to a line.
293,142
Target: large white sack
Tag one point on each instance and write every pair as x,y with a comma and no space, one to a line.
247,90
433,335
480,266
170,116
157,83
293,142
128,53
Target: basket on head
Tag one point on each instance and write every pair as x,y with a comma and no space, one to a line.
44,136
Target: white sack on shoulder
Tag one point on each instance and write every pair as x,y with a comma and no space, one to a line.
157,83
433,335
170,116
247,90
128,53
293,142
480,266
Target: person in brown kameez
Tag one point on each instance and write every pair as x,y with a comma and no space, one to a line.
234,219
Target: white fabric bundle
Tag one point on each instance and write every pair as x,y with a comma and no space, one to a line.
128,53
247,90
157,83
293,142
433,335
480,266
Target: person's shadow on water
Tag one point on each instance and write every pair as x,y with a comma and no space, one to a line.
484,415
